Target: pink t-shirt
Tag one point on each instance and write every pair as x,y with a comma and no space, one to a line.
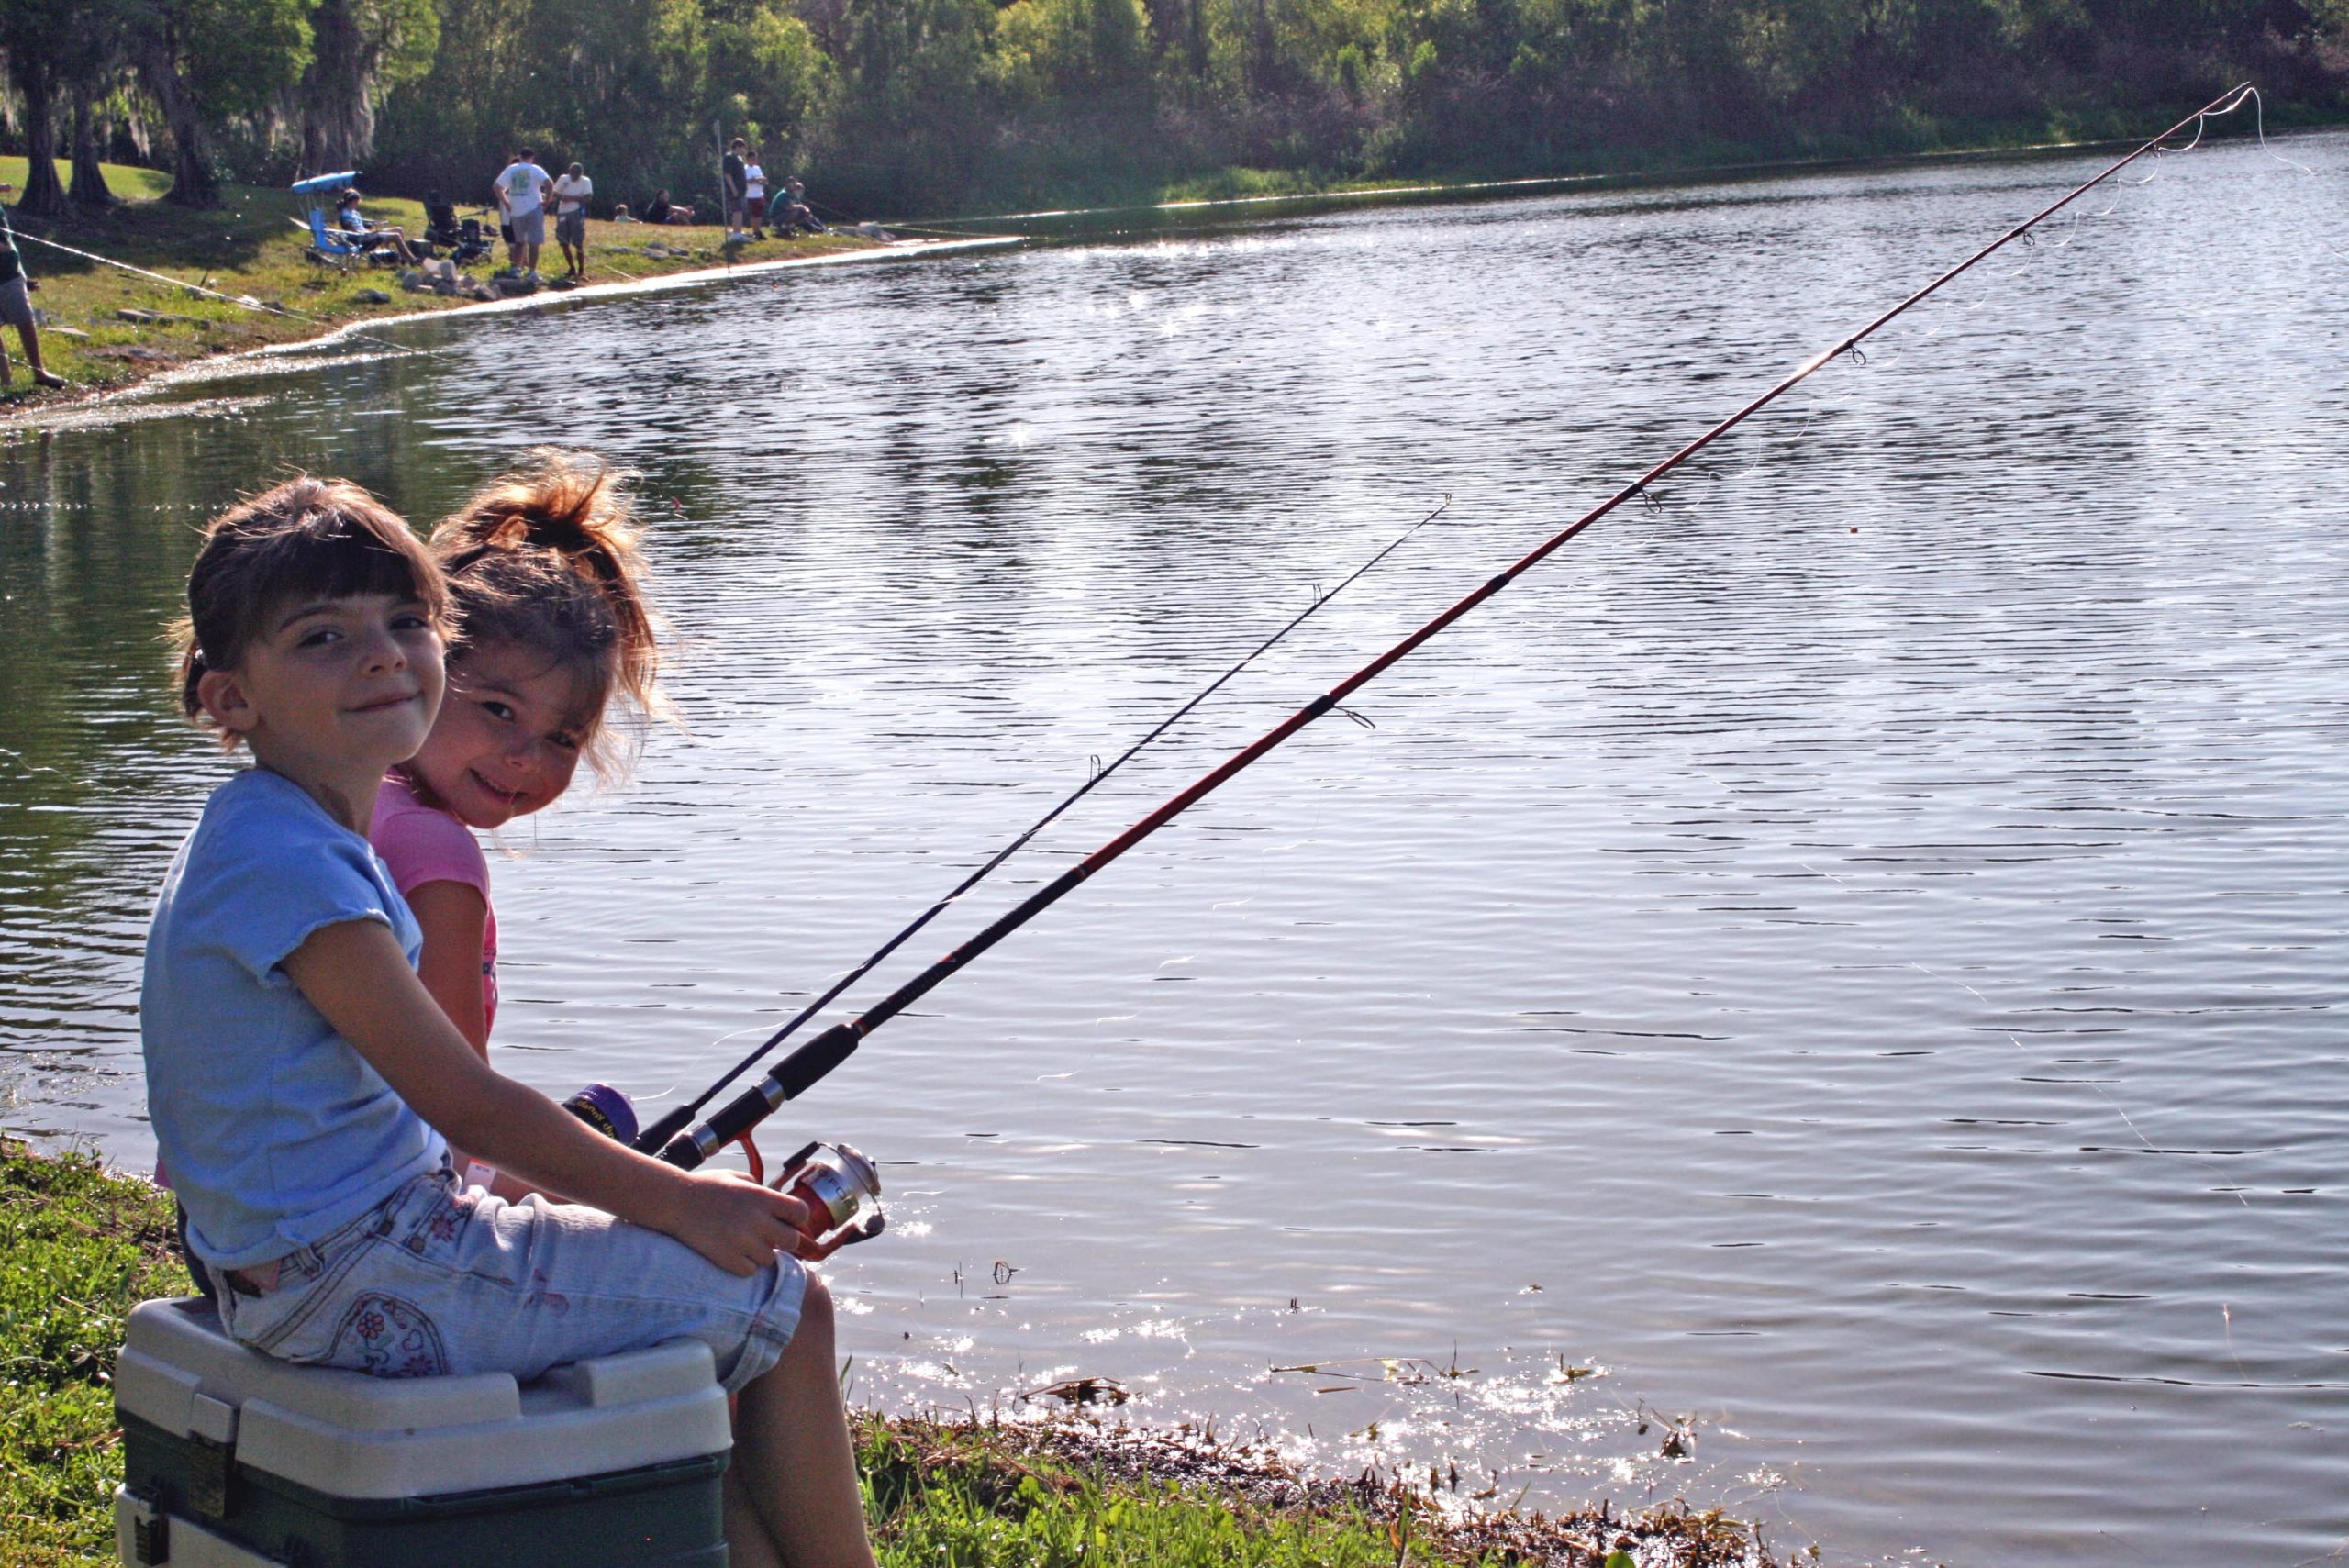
421,843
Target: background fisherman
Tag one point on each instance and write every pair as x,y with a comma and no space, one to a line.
17,305
521,196
369,235
754,197
737,175
570,194
793,212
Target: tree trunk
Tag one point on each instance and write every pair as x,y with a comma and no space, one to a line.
42,195
338,93
193,182
89,188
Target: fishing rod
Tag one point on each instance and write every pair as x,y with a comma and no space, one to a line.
656,1138
811,1062
241,304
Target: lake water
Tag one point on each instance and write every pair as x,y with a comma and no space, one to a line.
1851,956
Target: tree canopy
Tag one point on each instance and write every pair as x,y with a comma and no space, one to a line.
959,105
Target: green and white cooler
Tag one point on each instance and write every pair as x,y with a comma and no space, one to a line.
235,1460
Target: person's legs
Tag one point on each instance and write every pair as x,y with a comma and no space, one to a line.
748,1545
792,1449
16,310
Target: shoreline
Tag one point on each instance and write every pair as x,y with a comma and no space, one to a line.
80,1244
89,406
86,405
1437,189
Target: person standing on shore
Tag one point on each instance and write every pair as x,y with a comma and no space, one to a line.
738,185
521,196
17,307
570,194
754,197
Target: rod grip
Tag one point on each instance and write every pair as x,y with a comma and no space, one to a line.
787,1080
734,1118
806,1066
654,1139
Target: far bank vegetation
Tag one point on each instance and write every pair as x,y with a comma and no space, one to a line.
911,107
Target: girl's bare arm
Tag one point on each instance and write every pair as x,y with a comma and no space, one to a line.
454,915
356,975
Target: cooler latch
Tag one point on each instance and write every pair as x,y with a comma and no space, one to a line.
212,1455
150,1532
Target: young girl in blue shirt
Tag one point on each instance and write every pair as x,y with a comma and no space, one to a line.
304,1087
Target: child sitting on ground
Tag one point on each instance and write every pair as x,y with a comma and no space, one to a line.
303,1083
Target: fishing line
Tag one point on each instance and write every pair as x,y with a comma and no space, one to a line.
813,1060
656,1136
241,304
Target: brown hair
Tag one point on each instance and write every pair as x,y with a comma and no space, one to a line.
307,536
544,558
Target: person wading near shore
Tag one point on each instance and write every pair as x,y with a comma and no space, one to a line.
738,186
17,307
570,194
521,196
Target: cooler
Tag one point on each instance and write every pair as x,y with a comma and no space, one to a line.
232,1460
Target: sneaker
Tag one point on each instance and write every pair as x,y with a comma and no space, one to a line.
48,378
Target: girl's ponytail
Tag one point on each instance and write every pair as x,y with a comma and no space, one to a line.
544,557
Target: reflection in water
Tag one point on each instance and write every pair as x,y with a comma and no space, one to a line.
1845,960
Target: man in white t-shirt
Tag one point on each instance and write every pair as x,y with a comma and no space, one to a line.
521,196
570,194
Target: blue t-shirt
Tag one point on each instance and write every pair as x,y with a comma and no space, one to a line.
275,1131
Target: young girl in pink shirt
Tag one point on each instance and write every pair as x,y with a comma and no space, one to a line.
551,626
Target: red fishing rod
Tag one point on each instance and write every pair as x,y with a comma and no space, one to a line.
656,1138
805,1066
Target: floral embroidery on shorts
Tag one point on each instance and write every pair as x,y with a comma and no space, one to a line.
451,1216
385,1337
541,1296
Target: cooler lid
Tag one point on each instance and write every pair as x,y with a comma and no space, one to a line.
348,1435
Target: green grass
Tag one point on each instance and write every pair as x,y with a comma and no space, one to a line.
122,179
78,1249
81,1245
247,247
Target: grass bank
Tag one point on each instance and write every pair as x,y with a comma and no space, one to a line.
81,1245
107,327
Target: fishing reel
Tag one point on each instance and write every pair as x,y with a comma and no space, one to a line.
840,1186
838,1183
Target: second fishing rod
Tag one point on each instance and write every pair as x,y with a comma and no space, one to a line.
811,1062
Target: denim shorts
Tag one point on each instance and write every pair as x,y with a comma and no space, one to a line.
442,1279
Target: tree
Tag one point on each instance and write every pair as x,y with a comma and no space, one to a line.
90,57
30,31
910,126
209,61
360,50
88,190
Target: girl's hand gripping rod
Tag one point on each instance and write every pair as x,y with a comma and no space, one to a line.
793,1076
